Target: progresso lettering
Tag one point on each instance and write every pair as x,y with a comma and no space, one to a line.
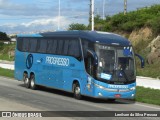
118,86
57,61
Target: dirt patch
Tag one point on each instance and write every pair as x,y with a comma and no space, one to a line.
141,34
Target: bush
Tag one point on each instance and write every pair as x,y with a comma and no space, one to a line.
77,26
155,25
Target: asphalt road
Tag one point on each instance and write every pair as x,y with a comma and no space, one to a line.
43,99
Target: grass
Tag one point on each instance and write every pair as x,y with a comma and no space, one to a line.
149,70
148,95
7,73
6,57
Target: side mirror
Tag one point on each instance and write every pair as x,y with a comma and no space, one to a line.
94,55
141,59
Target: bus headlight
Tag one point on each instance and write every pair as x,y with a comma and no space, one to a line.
132,88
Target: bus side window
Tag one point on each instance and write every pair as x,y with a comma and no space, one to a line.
88,59
19,44
42,46
54,47
66,47
33,45
74,49
60,47
89,65
49,46
25,44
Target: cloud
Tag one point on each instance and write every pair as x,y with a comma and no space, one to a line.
44,22
41,15
40,25
38,15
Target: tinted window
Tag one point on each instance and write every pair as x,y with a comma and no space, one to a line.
54,47
85,48
50,46
42,45
19,44
60,47
33,45
66,47
25,46
74,48
87,45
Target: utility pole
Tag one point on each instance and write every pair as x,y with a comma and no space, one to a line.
125,7
92,14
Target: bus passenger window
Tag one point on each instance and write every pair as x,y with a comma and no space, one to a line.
33,45
50,46
66,47
42,46
25,44
54,47
19,44
60,47
74,49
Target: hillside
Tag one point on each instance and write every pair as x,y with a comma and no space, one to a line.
142,28
145,17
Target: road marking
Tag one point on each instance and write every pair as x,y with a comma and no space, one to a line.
147,106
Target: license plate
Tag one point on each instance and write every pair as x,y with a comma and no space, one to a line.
117,95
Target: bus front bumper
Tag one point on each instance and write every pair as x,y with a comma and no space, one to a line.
103,92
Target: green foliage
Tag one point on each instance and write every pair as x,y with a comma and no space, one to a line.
148,16
4,51
4,37
77,26
98,20
147,95
155,25
6,72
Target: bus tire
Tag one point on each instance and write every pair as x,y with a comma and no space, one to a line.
32,82
77,91
26,80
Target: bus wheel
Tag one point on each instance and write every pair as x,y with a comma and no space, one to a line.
26,80
32,80
77,91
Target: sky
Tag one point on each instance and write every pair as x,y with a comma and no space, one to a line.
26,16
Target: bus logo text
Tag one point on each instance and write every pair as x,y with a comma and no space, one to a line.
118,86
57,61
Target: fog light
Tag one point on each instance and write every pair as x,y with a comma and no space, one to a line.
132,95
100,94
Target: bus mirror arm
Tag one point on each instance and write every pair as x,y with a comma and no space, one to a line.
94,55
141,59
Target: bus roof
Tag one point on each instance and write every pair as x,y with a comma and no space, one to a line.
94,36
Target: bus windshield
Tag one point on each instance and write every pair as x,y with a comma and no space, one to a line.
115,63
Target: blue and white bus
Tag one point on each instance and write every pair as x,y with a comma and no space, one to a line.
89,63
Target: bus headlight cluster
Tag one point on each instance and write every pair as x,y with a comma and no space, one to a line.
132,88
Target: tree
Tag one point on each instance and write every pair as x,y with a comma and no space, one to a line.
77,26
4,37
